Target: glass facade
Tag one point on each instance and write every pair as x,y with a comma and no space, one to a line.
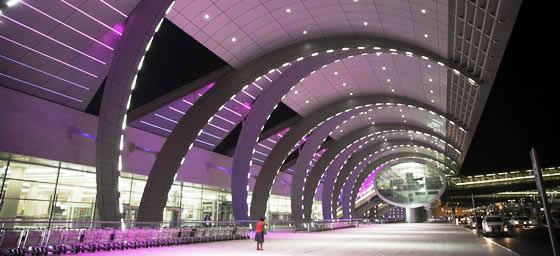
39,189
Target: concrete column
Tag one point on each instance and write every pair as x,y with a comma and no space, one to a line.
415,215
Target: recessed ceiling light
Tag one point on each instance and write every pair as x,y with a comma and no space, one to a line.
307,101
11,3
233,39
341,130
402,116
355,1
288,10
305,32
365,23
429,79
369,118
432,101
392,90
295,92
351,94
404,121
372,123
384,68
431,91
206,16
388,80
343,84
423,11
429,66
426,35
335,73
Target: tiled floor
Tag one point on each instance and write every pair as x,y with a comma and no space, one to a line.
379,240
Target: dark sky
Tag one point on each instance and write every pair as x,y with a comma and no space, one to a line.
520,112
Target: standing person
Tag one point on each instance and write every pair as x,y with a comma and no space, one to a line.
206,219
260,231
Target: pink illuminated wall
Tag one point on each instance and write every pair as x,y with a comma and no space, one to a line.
36,127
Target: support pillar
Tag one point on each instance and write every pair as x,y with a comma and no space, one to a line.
415,215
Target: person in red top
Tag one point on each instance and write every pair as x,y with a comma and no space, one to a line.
260,231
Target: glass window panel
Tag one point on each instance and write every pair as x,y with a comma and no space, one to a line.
73,211
78,167
24,171
77,178
124,184
138,185
36,160
210,194
174,196
135,199
25,209
15,189
67,193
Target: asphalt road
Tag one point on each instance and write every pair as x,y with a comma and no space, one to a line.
527,241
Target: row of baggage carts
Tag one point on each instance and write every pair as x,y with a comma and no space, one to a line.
16,242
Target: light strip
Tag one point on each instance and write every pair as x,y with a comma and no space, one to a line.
256,151
153,125
246,93
264,146
186,101
68,26
242,104
114,9
504,179
271,140
232,111
223,118
91,17
258,160
257,86
42,88
217,127
204,142
176,110
212,135
54,40
165,118
44,72
47,56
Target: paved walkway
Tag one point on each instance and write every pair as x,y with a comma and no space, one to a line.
378,240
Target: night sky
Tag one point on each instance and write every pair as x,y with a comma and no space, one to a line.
519,113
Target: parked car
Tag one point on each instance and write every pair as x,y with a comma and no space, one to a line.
521,221
494,224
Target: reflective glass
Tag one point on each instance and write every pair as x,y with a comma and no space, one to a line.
410,184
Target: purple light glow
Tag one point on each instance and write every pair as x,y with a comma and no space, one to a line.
91,17
119,27
368,183
54,40
48,56
68,26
